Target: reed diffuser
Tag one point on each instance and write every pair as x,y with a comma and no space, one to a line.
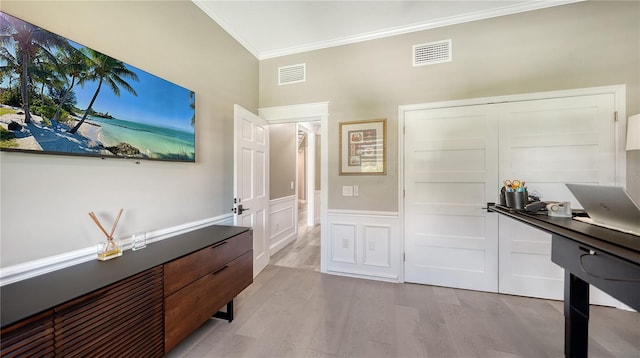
107,249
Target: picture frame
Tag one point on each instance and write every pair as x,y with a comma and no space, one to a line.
363,147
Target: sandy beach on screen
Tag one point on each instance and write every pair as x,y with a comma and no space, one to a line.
37,136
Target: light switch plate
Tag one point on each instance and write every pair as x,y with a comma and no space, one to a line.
347,190
355,190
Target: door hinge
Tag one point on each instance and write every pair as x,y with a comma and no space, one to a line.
404,257
615,116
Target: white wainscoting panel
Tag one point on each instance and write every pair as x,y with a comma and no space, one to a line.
343,247
282,219
377,245
365,244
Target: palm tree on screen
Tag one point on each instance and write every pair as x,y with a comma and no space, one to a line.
74,65
192,105
44,73
10,65
111,72
30,40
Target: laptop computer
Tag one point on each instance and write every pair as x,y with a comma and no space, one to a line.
608,206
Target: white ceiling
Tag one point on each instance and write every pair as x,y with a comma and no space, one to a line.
270,29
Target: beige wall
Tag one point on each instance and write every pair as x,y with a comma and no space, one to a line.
580,45
45,199
283,154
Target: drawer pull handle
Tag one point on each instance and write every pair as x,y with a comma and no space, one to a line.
220,270
218,245
593,253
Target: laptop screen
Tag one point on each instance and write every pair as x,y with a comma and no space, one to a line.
610,206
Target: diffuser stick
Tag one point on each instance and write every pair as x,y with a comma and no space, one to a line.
115,224
95,220
108,249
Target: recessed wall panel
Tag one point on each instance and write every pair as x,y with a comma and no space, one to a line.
343,247
377,245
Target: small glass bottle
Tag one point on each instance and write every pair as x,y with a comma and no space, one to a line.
139,241
109,249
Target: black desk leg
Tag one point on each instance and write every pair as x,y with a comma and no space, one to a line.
576,316
226,315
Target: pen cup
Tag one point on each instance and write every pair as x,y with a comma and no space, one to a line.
516,199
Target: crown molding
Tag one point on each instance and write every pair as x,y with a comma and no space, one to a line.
432,24
427,25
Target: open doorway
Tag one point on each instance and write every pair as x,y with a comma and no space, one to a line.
304,251
317,113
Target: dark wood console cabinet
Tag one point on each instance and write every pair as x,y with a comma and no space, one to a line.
198,285
139,305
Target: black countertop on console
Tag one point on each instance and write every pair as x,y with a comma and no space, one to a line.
28,297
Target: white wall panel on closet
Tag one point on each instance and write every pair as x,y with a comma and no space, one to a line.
547,143
546,140
450,174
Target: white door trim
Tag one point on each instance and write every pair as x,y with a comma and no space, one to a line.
308,112
619,92
310,170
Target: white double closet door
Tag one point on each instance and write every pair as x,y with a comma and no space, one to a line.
455,160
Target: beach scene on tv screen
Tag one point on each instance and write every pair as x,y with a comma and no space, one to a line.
59,97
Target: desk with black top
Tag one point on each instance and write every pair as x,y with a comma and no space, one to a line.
589,254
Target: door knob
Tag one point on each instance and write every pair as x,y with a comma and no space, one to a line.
241,209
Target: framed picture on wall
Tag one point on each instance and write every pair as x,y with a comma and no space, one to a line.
363,147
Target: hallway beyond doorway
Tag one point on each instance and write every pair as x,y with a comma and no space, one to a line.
304,252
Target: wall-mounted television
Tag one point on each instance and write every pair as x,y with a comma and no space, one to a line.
59,97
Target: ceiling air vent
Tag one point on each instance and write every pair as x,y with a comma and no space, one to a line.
292,74
432,52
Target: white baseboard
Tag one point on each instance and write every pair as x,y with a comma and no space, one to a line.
366,276
25,270
284,241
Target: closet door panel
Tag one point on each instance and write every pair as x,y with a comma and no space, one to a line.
548,143
450,174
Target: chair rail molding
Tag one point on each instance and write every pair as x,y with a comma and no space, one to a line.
25,270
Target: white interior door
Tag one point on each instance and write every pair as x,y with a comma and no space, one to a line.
454,164
251,181
547,143
451,169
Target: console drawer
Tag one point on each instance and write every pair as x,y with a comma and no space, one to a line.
185,270
191,306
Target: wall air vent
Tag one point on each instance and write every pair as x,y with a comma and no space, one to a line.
292,74
431,53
